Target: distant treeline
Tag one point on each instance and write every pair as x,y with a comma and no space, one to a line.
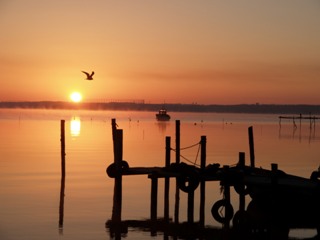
171,107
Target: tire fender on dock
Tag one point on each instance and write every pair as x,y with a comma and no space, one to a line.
216,211
111,169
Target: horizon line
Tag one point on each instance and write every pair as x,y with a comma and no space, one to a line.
143,102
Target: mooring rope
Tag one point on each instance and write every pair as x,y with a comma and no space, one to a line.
194,145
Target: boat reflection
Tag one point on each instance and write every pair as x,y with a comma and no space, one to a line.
75,126
162,126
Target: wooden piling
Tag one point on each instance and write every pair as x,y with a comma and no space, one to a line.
203,144
190,211
251,145
177,197
114,128
154,203
63,174
167,180
242,198
226,193
118,151
62,140
274,197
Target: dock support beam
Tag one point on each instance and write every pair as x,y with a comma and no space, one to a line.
226,193
177,199
167,181
242,197
203,143
154,204
190,207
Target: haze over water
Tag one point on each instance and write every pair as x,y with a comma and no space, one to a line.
30,165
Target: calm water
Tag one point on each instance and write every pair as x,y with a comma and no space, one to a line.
30,165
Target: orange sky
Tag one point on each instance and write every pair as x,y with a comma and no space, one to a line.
181,51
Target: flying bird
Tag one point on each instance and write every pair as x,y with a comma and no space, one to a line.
89,76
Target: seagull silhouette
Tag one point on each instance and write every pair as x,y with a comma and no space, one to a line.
89,76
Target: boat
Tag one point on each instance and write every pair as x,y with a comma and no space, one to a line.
162,115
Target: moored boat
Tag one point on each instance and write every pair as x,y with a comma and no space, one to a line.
162,115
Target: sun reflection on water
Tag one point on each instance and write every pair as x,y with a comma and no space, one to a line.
75,126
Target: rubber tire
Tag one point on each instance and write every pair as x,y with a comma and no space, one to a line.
228,210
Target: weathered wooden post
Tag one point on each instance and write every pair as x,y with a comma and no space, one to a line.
118,150
274,198
203,143
242,197
251,144
154,203
62,140
167,181
177,199
190,212
63,174
226,192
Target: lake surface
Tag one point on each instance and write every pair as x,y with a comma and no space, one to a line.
30,165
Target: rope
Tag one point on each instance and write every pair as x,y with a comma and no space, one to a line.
198,143
193,163
186,159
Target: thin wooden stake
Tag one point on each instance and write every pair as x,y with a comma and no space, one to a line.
63,174
63,151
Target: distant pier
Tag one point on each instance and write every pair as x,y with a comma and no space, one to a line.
300,117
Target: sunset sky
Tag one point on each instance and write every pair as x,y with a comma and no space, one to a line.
174,51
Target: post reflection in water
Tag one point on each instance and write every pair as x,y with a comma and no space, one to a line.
75,126
299,132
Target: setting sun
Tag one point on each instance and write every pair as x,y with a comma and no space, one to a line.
76,97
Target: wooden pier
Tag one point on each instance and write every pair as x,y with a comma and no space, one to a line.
312,119
268,189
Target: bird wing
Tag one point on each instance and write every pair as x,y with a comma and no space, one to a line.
92,74
86,73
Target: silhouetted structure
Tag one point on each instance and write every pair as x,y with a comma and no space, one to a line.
279,201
